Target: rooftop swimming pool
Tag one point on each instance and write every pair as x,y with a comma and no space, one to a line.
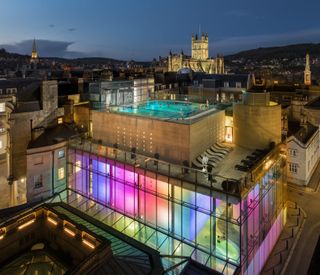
163,109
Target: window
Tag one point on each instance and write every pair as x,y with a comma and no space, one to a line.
293,168
226,84
61,173
60,120
61,154
292,152
38,181
11,91
2,107
238,85
1,144
78,165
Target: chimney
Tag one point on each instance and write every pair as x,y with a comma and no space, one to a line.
68,111
303,121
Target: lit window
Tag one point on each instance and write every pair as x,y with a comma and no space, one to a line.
2,107
61,154
293,168
1,144
38,181
60,120
78,165
61,173
229,134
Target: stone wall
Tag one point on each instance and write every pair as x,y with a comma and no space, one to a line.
175,142
256,126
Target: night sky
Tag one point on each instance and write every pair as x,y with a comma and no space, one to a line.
144,29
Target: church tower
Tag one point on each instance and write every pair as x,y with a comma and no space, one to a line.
34,53
307,72
200,47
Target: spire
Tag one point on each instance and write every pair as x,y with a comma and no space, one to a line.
307,68
307,71
34,48
34,53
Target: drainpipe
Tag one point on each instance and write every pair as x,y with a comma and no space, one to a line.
31,131
52,177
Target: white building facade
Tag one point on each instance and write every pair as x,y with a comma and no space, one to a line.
303,154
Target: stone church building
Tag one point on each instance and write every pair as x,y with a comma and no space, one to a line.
199,60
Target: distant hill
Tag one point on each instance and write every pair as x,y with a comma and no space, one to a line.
18,58
289,51
5,54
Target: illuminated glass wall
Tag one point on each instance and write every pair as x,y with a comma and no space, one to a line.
195,215
241,232
263,218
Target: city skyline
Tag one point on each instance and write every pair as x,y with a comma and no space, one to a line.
160,137
70,29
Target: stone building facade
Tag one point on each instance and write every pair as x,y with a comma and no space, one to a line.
25,105
199,60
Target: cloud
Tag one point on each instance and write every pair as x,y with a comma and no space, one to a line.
46,48
72,29
239,43
51,26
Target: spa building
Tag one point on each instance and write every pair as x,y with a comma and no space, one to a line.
166,175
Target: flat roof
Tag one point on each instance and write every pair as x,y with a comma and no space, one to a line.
194,113
226,167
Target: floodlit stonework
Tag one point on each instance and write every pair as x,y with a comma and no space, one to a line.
199,60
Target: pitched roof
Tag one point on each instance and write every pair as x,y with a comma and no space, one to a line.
55,134
313,104
302,133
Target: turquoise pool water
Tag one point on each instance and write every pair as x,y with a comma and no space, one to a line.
162,109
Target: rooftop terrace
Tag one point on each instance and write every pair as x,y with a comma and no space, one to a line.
169,110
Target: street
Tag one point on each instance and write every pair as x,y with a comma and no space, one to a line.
309,200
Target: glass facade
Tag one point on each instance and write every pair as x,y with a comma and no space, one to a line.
110,93
263,216
120,92
222,231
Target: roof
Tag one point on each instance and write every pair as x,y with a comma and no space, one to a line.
304,133
227,77
195,268
217,80
313,104
54,135
27,89
67,88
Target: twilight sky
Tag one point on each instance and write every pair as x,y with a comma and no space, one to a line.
143,29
